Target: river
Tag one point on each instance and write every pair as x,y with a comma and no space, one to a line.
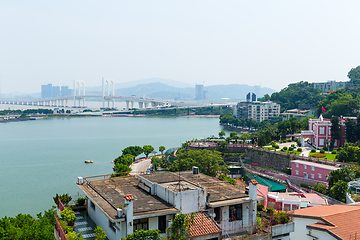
41,158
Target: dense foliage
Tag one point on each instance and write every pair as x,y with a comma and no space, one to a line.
64,198
297,93
144,235
24,226
147,149
209,162
180,227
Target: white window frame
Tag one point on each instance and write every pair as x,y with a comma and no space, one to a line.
296,172
305,166
320,175
312,168
312,176
297,165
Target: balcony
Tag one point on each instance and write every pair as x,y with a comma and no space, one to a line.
282,229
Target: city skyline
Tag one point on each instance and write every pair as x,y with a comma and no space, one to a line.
265,43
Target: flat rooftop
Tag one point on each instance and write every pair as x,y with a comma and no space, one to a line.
219,190
108,194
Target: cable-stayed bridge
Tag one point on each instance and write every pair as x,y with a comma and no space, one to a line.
77,100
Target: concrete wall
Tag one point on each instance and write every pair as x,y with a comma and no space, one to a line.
187,201
101,220
274,161
301,231
237,226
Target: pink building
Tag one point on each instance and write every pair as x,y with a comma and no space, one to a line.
319,133
292,201
310,170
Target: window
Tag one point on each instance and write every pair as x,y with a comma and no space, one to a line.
141,224
305,166
312,176
162,223
321,142
296,172
297,165
217,212
312,169
235,212
320,175
322,130
92,205
112,226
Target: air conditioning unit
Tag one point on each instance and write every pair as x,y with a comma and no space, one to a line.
80,180
195,170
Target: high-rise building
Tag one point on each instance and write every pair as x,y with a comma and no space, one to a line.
248,97
199,93
46,91
50,91
253,97
65,91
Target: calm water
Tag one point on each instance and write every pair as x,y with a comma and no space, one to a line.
41,158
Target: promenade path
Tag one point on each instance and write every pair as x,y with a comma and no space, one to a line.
140,166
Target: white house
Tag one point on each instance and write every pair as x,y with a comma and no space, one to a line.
122,205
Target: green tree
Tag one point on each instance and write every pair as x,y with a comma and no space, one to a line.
121,169
350,130
156,162
126,159
180,227
223,146
221,134
142,234
147,149
100,233
133,150
345,174
209,162
24,226
319,188
64,198
162,149
68,215
338,191
72,235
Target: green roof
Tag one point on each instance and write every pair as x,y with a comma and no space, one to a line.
273,186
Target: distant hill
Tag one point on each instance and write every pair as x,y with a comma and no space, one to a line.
169,82
160,90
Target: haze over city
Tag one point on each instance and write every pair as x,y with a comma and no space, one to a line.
272,43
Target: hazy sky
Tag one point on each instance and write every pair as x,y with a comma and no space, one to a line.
272,43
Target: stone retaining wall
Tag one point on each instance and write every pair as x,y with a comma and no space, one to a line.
273,161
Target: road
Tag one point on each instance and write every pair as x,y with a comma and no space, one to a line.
140,167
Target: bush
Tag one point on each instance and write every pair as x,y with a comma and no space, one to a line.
65,198
285,148
305,185
80,201
281,217
260,207
68,215
293,145
299,149
313,150
339,149
322,151
291,149
270,211
333,152
325,148
276,146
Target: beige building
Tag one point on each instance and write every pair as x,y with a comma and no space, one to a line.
257,110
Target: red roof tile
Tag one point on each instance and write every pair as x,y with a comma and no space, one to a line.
129,197
341,220
203,225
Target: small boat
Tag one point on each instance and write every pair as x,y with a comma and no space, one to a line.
88,161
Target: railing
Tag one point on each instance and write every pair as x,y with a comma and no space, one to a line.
60,205
59,229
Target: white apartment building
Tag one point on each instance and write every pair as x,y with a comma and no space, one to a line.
257,110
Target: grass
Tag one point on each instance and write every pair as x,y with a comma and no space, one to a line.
328,156
291,152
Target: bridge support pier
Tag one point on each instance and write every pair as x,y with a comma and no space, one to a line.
141,105
127,105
